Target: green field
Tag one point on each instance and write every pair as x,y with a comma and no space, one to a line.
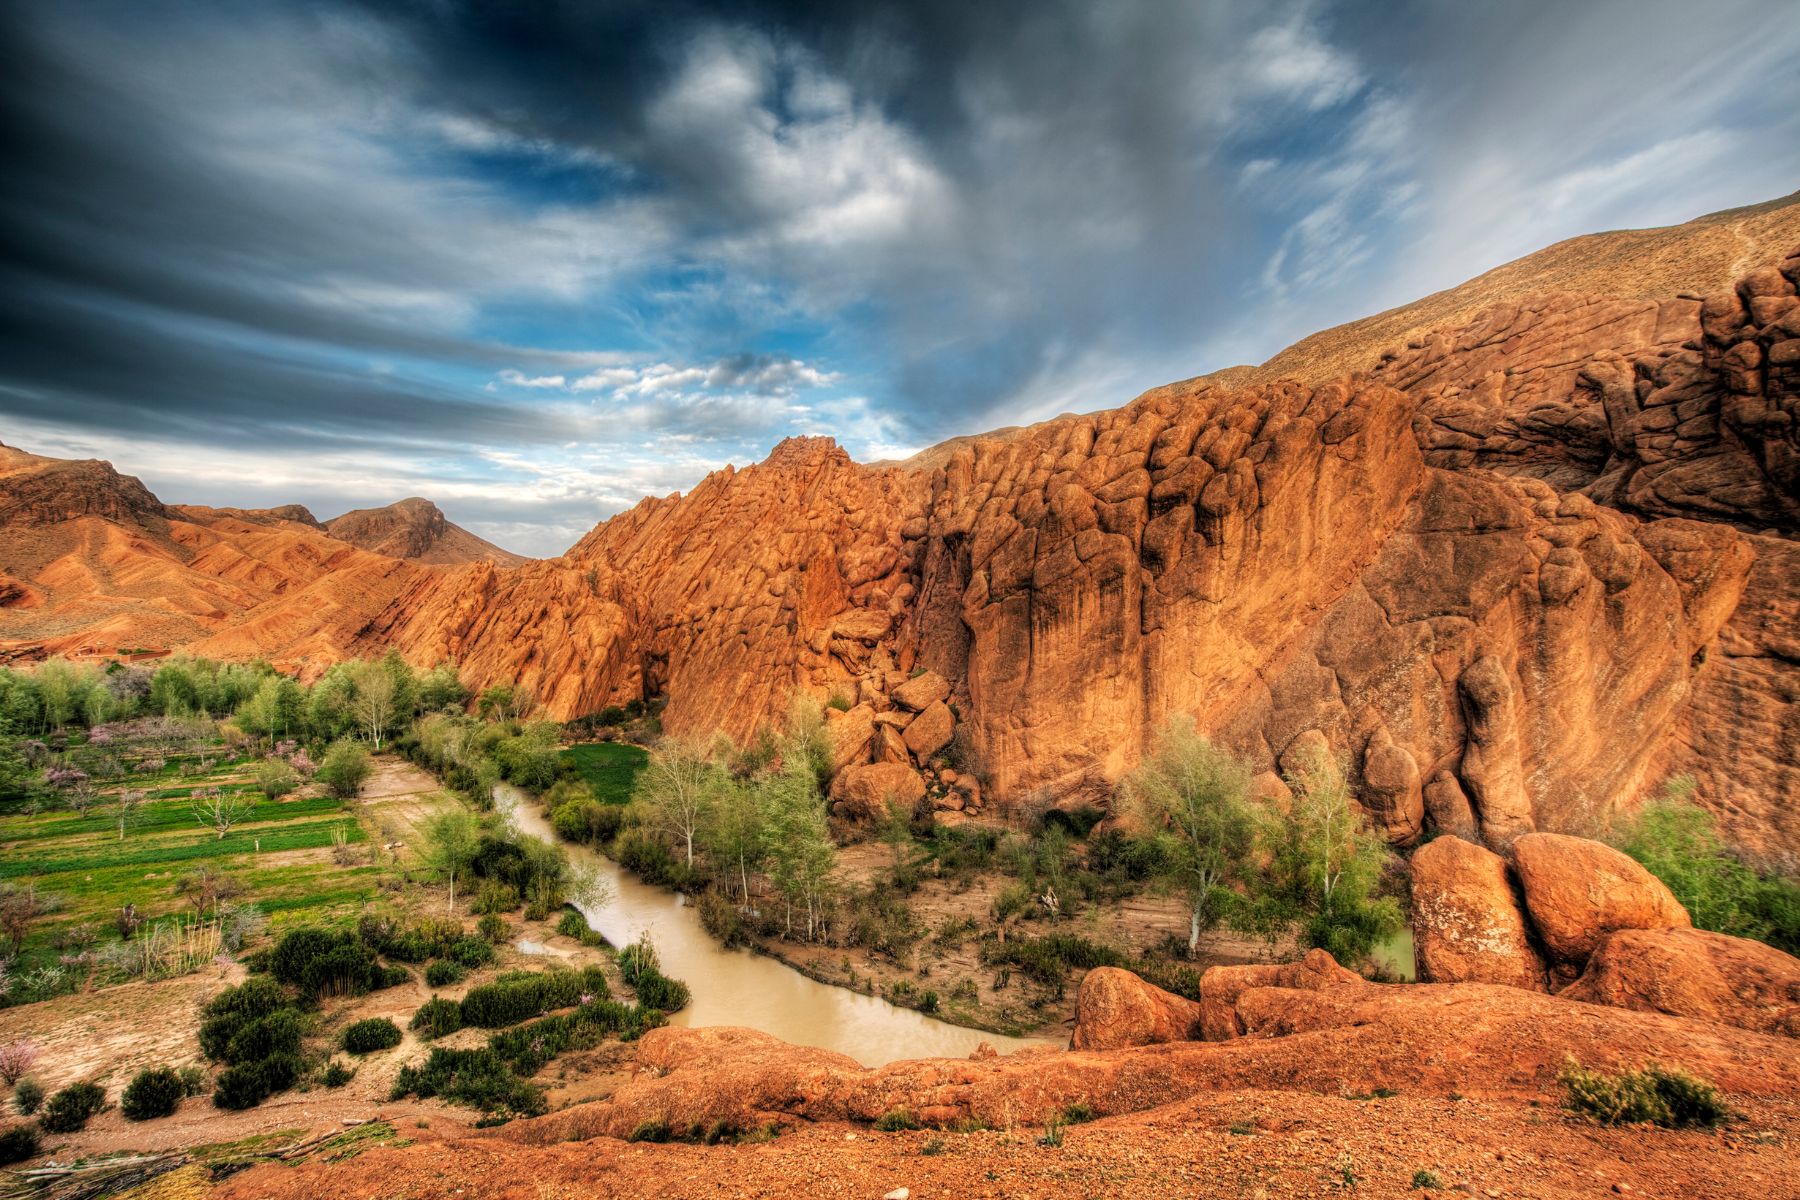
610,768
282,856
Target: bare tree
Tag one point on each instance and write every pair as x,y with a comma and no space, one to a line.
679,791
122,809
218,809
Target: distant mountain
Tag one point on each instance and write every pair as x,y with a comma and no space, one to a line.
416,528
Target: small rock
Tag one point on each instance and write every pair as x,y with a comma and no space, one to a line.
897,1194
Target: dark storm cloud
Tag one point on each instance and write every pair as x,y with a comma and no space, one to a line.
546,254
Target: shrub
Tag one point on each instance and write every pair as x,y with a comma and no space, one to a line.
587,820
275,778
509,1000
479,1078
896,1120
325,962
250,1084
28,1094
228,1013
18,1144
68,1110
720,917
193,1080
437,1018
444,973
639,965
495,898
345,768
336,1074
470,952
493,928
376,1033
1671,1099
151,1093
16,1058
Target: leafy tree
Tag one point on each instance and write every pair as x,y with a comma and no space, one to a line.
1327,865
441,687
276,778
452,841
796,841
1678,842
734,835
1196,797
345,768
375,699
679,791
498,703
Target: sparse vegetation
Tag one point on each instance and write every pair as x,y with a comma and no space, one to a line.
1653,1095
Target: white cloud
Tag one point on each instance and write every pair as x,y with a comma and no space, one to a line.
1292,61
514,378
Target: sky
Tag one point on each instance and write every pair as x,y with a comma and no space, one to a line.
537,261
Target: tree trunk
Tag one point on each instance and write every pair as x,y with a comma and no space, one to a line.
1193,931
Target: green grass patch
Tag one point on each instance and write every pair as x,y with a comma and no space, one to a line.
609,768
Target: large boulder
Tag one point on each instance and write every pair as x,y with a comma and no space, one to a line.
1115,1009
1695,973
921,692
862,794
850,732
1467,927
1392,790
1221,988
930,731
1578,892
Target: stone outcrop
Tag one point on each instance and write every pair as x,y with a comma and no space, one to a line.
1694,973
1578,892
1221,988
1115,1008
1467,926
416,529
864,794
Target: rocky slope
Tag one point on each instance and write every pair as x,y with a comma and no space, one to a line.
1516,571
417,529
91,563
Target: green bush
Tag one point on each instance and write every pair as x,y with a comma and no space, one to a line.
344,769
470,952
1654,1096
250,1084
151,1093
326,962
437,1018
512,999
444,973
1678,842
495,898
17,1144
896,1120
28,1094
336,1074
68,1110
493,928
376,1033
642,970
479,1078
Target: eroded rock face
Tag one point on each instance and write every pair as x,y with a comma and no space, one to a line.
1695,973
1467,926
1578,892
1115,1008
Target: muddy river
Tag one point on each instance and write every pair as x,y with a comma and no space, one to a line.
736,987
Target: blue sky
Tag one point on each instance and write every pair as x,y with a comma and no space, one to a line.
537,261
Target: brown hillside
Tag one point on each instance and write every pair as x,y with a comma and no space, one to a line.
416,528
